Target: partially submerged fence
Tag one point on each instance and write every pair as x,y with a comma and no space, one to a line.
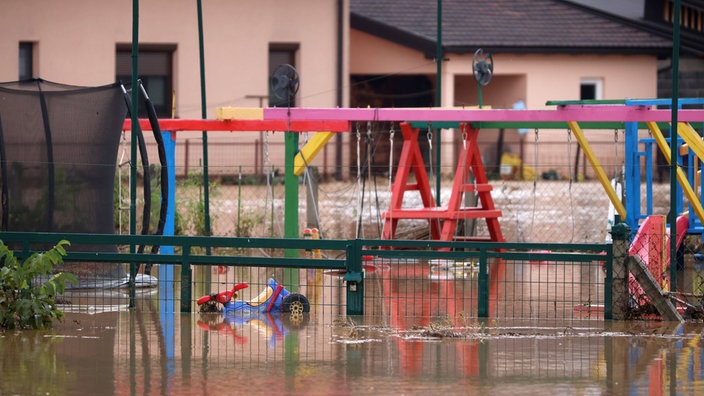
402,279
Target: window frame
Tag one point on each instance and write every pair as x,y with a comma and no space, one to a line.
286,52
163,98
598,85
27,57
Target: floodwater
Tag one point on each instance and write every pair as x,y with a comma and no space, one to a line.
144,351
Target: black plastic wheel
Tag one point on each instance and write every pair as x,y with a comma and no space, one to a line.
295,303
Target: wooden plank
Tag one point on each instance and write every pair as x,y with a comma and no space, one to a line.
174,125
477,188
598,170
681,176
606,113
309,151
663,304
441,213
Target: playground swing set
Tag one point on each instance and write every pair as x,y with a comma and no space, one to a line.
470,175
443,220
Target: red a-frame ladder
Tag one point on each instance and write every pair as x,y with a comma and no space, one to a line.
442,221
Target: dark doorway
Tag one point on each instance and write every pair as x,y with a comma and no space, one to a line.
385,91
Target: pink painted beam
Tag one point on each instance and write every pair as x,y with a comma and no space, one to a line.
243,125
602,113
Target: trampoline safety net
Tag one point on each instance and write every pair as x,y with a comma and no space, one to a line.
58,149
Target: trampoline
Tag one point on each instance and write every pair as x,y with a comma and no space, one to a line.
58,149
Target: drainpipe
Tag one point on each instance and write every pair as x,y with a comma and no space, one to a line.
339,82
438,102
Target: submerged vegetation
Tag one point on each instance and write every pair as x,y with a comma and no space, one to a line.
26,302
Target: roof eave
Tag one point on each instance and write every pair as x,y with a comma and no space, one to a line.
395,35
689,43
496,49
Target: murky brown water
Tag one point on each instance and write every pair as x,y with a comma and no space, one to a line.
144,351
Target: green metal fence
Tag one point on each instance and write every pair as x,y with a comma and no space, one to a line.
360,276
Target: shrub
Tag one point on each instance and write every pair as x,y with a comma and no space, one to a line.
25,301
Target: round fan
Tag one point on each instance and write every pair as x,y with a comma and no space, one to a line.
284,84
482,67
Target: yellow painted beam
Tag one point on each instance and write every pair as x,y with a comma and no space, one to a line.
694,141
681,176
589,153
309,151
239,113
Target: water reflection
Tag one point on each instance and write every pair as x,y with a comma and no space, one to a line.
144,351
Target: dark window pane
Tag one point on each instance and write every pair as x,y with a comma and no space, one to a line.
587,91
155,71
280,54
26,61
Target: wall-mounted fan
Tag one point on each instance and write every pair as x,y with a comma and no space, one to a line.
482,67
284,84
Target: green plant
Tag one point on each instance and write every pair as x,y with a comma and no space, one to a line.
246,224
26,303
192,218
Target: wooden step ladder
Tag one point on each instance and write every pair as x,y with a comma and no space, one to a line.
442,220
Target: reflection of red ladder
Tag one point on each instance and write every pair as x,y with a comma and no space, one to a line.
442,221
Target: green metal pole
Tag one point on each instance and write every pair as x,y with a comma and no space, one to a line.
479,92
354,278
187,273
483,286
291,205
204,115
438,102
673,145
133,141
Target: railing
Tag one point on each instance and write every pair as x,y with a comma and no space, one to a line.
546,279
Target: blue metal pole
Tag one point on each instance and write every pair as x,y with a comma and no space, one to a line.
167,301
166,271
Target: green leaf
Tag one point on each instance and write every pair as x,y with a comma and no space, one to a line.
23,303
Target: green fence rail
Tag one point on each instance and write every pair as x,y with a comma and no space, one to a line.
191,251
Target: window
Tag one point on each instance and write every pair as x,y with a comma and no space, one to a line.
590,89
155,71
691,16
280,54
26,60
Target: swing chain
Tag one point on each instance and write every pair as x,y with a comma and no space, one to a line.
430,138
359,139
359,181
616,164
266,152
463,127
391,153
569,156
535,158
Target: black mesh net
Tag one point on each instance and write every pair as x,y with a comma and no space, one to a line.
59,147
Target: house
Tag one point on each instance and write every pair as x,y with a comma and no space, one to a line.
542,50
656,16
347,52
87,43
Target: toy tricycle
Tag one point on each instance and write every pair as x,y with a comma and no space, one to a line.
274,298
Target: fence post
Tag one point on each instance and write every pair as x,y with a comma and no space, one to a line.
483,285
186,279
620,234
354,278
